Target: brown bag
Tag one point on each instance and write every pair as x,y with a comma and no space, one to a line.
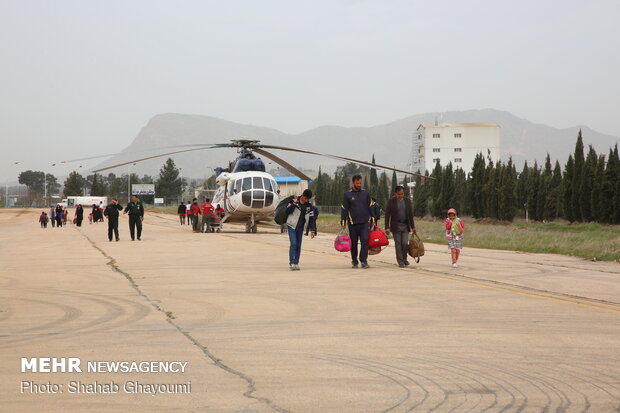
416,247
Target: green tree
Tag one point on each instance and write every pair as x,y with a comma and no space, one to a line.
74,184
596,197
373,182
34,180
383,191
98,186
587,183
446,196
460,188
169,184
577,178
476,187
394,183
421,192
507,192
435,190
523,187
567,189
552,204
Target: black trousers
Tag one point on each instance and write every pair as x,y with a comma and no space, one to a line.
112,227
359,232
135,222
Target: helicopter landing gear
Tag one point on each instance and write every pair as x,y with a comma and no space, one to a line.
251,226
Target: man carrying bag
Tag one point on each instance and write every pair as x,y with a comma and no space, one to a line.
399,221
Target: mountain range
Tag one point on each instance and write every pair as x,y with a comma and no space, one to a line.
390,142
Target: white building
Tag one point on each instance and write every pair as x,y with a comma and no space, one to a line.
458,143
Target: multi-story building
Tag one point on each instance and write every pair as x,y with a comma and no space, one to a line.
458,143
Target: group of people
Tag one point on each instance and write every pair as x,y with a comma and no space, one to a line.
191,212
360,213
58,216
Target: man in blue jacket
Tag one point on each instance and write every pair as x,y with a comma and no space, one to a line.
300,213
356,212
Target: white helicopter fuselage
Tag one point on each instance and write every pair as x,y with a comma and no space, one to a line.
247,196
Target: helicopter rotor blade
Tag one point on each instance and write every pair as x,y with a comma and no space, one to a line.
283,163
133,152
342,158
153,157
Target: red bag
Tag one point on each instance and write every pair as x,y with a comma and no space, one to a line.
377,238
342,243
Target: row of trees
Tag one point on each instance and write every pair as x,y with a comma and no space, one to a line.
168,185
587,189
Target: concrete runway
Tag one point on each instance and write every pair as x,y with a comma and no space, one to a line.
505,332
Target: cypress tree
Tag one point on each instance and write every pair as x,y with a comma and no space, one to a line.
567,186
577,178
476,187
373,183
543,189
460,188
446,196
394,183
596,198
420,197
383,193
523,188
552,205
490,191
587,183
507,192
435,190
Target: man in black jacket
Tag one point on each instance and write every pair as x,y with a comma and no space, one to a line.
136,214
112,211
356,212
399,221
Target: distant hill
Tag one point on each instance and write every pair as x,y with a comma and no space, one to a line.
390,142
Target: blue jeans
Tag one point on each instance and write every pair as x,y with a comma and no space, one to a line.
295,235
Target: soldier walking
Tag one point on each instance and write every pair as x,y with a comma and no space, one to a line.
136,215
112,211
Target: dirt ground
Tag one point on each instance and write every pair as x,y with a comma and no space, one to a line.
504,332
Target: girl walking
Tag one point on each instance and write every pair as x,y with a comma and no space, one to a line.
454,233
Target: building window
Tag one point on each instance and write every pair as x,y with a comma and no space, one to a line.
458,135
436,149
435,160
436,135
458,160
458,150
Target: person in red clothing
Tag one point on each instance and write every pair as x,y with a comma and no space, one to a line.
219,211
195,211
207,215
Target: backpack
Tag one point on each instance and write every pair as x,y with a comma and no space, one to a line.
377,238
281,216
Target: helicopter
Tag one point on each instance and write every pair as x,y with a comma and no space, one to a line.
246,192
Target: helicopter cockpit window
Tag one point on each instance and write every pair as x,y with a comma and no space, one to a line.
238,185
231,187
247,184
258,182
274,185
267,183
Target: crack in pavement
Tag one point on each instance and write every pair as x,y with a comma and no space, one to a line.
251,383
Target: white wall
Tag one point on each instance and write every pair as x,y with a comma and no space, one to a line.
473,140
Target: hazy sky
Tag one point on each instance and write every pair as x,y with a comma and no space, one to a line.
82,77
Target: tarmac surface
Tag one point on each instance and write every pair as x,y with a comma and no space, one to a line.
504,332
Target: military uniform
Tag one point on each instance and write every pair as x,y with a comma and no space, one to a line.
112,211
136,213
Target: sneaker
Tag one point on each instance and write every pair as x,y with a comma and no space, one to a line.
365,265
292,267
401,265
455,265
110,240
297,267
407,263
354,265
139,239
118,239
